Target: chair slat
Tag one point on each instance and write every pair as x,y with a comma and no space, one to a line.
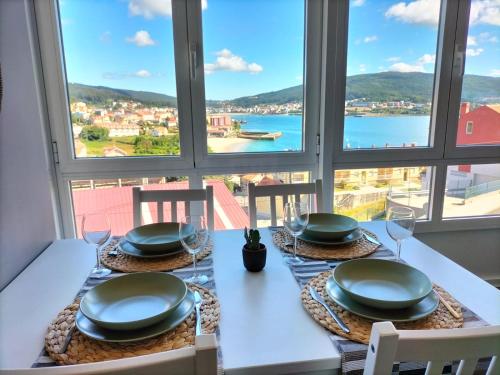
467,366
187,208
273,210
174,211
297,198
434,368
159,208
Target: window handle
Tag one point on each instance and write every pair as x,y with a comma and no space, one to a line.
193,59
459,63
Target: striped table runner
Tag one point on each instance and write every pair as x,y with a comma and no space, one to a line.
205,267
353,354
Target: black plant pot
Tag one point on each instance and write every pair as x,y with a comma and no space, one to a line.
254,260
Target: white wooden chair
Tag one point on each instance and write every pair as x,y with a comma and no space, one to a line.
173,196
284,191
388,345
200,359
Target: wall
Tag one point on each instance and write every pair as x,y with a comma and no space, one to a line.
26,213
478,251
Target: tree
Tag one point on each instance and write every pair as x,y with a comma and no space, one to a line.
94,133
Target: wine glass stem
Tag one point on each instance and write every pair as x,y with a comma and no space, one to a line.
295,246
195,272
97,252
398,254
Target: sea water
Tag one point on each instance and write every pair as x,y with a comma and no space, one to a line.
360,132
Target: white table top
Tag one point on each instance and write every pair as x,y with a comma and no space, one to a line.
264,328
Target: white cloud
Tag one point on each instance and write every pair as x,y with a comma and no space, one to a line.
471,41
485,12
495,72
394,59
427,59
151,8
105,37
406,68
226,60
424,12
472,52
141,39
370,38
418,66
142,73
488,37
357,3
362,68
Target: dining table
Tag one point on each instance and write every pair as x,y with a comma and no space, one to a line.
264,328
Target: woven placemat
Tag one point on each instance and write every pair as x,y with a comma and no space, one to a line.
357,249
361,327
126,263
82,349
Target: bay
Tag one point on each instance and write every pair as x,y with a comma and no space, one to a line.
360,132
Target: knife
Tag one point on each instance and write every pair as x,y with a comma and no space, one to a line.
315,295
197,305
371,239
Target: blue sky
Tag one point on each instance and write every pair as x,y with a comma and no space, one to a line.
255,46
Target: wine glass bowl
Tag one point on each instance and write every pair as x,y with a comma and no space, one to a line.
400,224
96,231
295,220
194,234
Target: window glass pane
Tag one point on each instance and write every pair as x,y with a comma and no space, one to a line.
390,73
472,190
121,78
231,197
114,198
254,62
366,194
479,117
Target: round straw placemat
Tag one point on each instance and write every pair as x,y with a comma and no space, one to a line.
361,327
357,249
82,349
126,263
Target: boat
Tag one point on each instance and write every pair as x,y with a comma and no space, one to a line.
268,136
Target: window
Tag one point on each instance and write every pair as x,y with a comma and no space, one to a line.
469,128
472,190
390,74
254,66
367,193
121,80
480,97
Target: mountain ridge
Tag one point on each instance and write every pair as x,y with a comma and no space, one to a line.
385,86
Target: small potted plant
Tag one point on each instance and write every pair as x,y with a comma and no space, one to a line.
254,253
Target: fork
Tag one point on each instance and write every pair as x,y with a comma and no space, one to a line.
197,304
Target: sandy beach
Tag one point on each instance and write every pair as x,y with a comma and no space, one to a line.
230,144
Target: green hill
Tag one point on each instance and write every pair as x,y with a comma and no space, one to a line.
386,86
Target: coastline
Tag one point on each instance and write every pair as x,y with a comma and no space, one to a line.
229,144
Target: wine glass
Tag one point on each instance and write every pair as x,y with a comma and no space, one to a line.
400,225
193,233
96,230
295,220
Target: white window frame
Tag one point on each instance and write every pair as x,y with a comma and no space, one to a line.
469,127
444,118
194,162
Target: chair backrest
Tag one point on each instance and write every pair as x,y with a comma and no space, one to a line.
436,347
173,196
284,191
200,359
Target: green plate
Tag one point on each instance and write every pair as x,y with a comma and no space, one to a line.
382,284
175,318
129,249
418,311
133,301
155,237
354,236
329,227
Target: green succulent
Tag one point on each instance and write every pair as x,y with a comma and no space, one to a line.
252,237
